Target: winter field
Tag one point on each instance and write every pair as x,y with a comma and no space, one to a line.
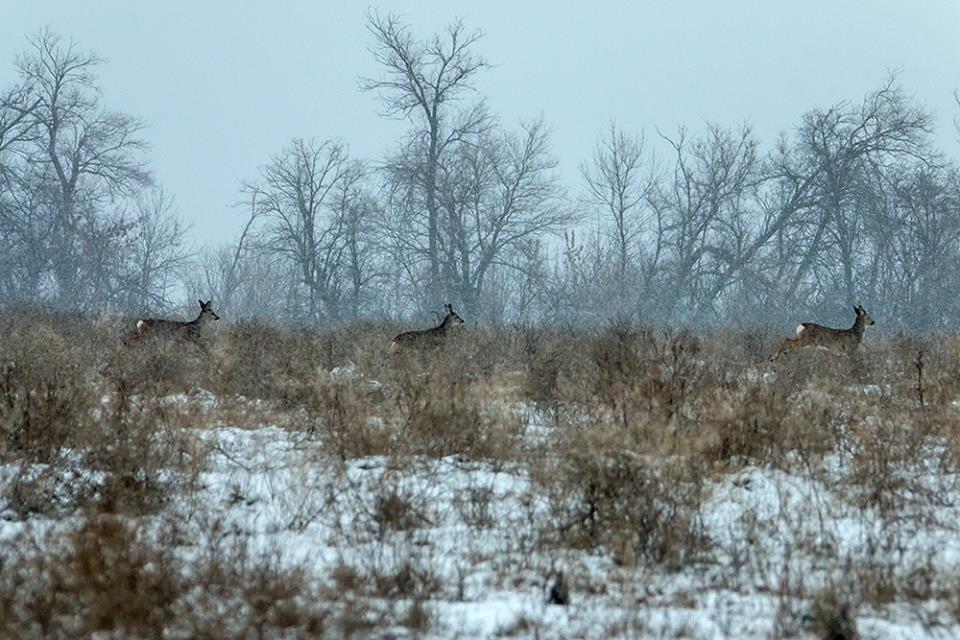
607,483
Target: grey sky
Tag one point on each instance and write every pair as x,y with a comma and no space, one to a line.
225,84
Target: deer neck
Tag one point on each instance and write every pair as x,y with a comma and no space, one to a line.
445,325
859,326
201,319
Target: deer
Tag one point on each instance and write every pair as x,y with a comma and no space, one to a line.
428,337
817,335
175,329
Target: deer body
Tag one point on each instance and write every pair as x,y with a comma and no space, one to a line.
161,328
428,337
817,335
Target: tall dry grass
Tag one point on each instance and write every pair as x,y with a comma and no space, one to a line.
622,430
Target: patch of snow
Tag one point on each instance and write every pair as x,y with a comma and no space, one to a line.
475,527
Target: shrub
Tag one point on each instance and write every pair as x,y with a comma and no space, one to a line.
110,576
81,438
604,494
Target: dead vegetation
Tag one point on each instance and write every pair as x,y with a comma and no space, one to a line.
624,432
107,575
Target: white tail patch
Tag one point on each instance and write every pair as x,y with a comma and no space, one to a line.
800,329
141,325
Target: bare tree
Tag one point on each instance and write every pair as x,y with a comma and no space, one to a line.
17,123
573,296
498,193
224,267
311,201
157,252
739,231
839,148
619,181
94,157
248,279
422,81
22,225
363,260
253,282
913,227
26,226
707,216
518,293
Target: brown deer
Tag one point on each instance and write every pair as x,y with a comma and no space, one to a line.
816,335
175,329
428,337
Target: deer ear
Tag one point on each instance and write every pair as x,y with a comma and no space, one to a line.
856,310
208,302
201,302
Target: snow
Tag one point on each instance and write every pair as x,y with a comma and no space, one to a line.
472,526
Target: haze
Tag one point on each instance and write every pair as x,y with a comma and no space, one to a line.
225,85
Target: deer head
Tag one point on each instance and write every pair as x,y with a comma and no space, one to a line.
862,314
206,310
452,318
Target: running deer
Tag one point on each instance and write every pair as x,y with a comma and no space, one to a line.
428,337
842,340
160,328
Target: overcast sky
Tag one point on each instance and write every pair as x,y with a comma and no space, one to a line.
225,84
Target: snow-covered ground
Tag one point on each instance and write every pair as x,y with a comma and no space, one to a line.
468,536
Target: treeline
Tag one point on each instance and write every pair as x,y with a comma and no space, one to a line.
853,205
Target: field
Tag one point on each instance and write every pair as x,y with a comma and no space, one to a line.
520,482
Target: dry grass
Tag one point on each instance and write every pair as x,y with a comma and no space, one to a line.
109,576
97,577
636,423
83,438
67,385
604,495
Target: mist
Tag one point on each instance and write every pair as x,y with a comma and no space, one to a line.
479,320
711,168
